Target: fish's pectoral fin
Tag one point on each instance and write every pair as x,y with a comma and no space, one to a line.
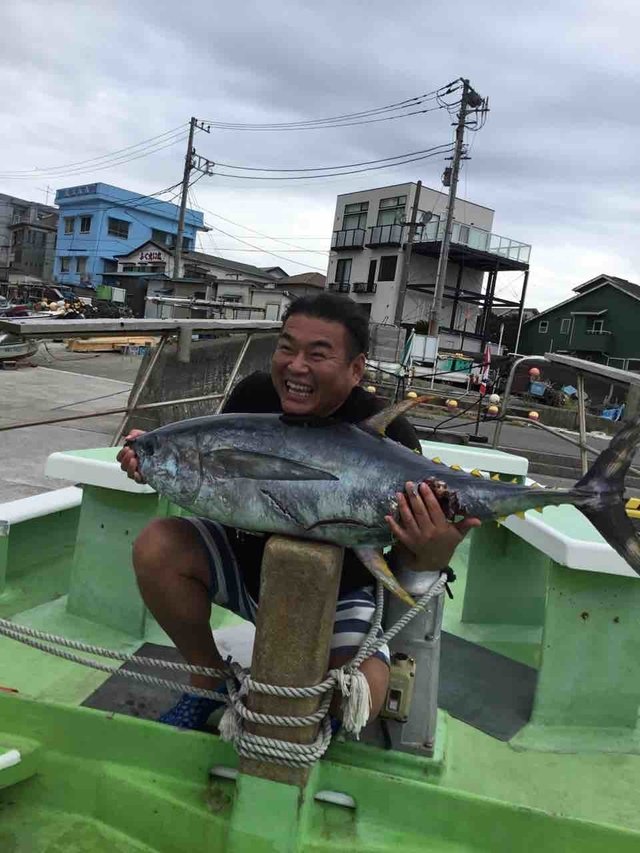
381,420
232,463
379,568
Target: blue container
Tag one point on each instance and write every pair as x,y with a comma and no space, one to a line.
537,389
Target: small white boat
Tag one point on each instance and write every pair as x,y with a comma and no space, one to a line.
13,347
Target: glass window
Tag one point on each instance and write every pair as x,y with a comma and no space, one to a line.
81,265
85,224
69,222
118,228
355,215
543,327
565,325
387,270
343,271
391,210
597,325
164,238
65,264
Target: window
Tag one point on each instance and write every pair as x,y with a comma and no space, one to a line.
597,325
128,267
343,272
164,238
85,224
81,265
69,223
391,210
565,325
387,271
118,228
372,272
355,215
543,327
65,264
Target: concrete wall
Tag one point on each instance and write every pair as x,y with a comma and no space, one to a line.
211,364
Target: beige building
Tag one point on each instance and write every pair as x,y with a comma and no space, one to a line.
369,232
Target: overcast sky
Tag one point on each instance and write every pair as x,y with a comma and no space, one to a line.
557,159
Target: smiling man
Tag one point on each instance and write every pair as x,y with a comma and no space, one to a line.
182,565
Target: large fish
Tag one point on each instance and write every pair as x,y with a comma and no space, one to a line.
332,481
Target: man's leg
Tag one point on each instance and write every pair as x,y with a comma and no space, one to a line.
172,569
354,616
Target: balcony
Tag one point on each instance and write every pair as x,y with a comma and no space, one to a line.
384,235
347,238
479,249
339,287
364,287
590,340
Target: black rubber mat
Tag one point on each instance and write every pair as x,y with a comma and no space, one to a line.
125,696
487,690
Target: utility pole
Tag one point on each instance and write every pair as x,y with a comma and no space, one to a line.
406,262
191,161
470,101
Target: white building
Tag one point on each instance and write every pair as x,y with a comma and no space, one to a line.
370,230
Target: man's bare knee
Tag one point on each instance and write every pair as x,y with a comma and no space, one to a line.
169,544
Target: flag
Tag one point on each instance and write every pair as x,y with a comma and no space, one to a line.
484,374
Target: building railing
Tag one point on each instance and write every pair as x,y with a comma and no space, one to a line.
339,287
364,287
475,238
385,235
348,238
597,332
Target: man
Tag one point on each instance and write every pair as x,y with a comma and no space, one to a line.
183,564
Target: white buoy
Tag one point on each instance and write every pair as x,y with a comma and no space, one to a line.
10,759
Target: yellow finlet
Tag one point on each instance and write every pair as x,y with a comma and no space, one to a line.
519,514
495,476
501,519
437,460
538,508
476,473
455,467
515,480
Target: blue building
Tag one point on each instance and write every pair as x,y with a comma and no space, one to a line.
99,222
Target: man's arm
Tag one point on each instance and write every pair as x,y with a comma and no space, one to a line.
424,539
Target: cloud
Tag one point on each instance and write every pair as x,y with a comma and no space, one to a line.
557,159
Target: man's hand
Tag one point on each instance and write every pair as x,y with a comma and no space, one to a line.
426,540
128,459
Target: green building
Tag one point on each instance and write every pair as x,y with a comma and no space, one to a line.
600,323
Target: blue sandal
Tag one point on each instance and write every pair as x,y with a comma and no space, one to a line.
192,712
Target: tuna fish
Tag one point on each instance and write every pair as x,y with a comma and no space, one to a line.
335,482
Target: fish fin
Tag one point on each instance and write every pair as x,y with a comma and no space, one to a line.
600,494
515,481
538,508
231,463
377,565
501,519
476,473
437,460
455,467
379,422
519,514
495,476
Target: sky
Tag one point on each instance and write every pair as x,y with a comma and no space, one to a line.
558,158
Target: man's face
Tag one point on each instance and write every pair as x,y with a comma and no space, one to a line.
311,367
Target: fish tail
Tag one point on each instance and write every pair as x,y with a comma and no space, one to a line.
601,492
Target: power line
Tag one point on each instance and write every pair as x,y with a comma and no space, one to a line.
328,168
266,251
114,163
434,153
307,123
119,151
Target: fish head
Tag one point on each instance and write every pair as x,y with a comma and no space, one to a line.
170,463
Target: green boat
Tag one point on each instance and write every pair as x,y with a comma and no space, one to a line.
511,721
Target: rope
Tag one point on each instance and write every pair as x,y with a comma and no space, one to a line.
348,679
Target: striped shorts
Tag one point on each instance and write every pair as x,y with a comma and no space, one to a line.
354,612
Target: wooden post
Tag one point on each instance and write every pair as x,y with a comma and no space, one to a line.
298,595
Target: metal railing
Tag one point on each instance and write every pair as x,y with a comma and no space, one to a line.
475,238
348,238
364,287
385,235
339,287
